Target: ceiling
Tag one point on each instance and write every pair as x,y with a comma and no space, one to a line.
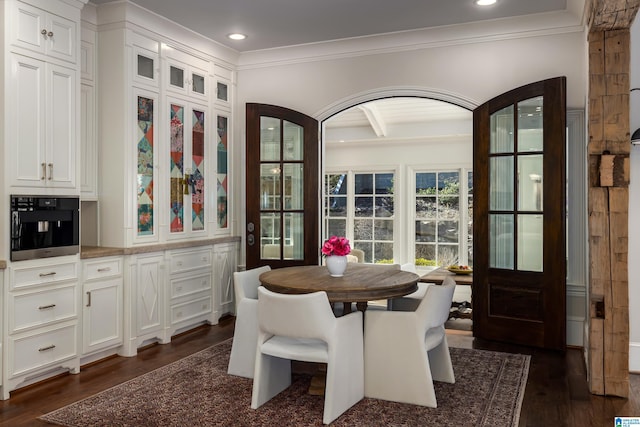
278,23
271,24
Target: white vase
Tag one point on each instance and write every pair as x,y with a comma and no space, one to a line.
336,264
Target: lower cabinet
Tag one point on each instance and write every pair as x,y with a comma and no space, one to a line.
144,302
40,328
166,293
226,256
190,288
102,305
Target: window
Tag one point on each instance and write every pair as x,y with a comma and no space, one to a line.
363,212
443,218
437,215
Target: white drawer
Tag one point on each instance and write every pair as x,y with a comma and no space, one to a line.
41,308
102,268
187,261
190,310
43,274
41,350
190,285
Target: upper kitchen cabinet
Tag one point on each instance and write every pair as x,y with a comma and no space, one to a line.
186,74
42,27
41,94
224,84
146,61
41,127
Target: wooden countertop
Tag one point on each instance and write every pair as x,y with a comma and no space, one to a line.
87,252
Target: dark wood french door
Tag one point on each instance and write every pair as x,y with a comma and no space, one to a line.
519,231
282,189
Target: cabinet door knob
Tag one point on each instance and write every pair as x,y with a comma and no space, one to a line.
45,307
49,347
52,273
44,167
43,32
50,33
50,171
88,298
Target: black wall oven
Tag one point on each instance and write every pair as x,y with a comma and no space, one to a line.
44,227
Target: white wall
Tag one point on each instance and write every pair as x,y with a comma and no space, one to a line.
634,208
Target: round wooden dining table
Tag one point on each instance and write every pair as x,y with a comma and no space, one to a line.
360,283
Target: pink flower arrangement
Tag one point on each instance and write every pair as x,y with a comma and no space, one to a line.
336,246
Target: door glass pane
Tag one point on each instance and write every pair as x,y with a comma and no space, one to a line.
197,171
176,76
530,134
294,235
269,139
501,241
530,242
501,183
293,141
502,131
198,83
293,186
145,166
530,183
270,186
270,235
176,168
145,67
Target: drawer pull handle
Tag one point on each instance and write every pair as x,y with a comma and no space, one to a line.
53,273
46,307
49,347
102,270
88,298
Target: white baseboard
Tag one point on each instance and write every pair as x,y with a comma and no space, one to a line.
634,357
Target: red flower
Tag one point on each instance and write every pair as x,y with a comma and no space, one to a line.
336,246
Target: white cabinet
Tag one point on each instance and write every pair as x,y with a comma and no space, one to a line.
88,139
145,302
190,288
42,116
188,179
44,32
88,143
187,75
226,262
40,336
102,304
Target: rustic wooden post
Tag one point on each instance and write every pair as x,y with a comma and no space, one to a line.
608,149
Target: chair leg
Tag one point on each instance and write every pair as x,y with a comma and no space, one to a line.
440,361
272,375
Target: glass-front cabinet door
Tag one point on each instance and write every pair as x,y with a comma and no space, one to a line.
188,136
146,158
282,187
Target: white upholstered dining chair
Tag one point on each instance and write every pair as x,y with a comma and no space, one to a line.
405,351
245,336
302,327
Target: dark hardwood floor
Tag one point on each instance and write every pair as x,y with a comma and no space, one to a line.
556,394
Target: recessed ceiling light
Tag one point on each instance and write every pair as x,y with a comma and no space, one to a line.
485,2
237,36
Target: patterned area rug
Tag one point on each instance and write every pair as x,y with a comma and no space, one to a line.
196,391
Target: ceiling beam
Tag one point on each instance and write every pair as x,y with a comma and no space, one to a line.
376,120
607,15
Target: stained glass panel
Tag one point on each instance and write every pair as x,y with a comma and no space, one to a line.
145,166
197,174
223,170
176,168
